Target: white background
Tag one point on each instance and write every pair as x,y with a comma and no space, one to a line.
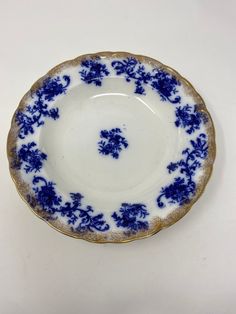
188,268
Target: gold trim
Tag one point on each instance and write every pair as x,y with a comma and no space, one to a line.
157,224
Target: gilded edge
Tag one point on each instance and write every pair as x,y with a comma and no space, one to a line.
157,224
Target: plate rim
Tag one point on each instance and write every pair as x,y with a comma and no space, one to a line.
157,224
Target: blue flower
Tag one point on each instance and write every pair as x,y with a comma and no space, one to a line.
25,123
178,192
89,222
172,167
46,195
166,86
112,142
35,113
131,217
183,188
73,210
162,82
32,158
93,71
133,70
53,87
200,146
189,118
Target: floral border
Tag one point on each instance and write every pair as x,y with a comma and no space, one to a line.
201,108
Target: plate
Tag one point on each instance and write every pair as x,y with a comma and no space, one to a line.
111,147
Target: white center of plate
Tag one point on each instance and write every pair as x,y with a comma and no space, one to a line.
71,142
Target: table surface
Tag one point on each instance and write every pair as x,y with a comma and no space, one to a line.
187,268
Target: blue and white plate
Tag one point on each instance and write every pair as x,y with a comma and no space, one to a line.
111,147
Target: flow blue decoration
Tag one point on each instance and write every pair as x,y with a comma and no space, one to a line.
31,157
93,71
112,142
35,113
131,217
162,82
183,188
189,118
80,217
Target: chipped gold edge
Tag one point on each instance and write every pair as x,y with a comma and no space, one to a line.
157,224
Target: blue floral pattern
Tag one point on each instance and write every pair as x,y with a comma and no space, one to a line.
31,157
93,71
112,142
35,113
80,217
131,217
183,188
189,118
160,81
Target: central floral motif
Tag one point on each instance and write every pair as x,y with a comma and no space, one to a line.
112,142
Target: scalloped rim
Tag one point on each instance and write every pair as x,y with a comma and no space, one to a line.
157,224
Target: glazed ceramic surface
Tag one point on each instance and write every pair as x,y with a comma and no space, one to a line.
111,147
